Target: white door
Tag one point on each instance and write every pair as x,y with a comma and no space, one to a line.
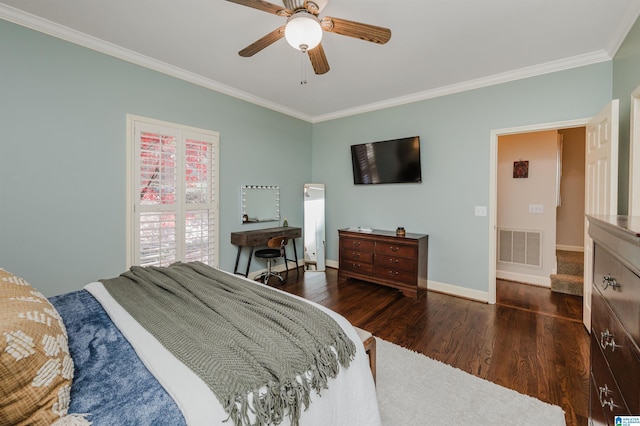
601,185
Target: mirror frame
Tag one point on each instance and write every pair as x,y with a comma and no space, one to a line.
314,227
245,196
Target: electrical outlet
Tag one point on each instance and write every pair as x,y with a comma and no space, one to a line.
536,208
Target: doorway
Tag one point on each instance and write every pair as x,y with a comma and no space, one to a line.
539,214
601,185
493,191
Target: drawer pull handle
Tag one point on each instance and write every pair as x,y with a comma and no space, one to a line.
607,339
394,248
608,280
355,265
355,254
356,243
394,261
394,273
603,393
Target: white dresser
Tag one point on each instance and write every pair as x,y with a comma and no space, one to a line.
615,318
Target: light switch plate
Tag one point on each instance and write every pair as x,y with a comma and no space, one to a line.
536,208
481,210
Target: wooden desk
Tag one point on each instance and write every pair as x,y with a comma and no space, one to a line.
259,237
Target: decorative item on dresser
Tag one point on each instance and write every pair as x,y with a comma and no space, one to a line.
385,258
615,318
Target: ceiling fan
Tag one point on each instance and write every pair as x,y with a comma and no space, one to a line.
303,29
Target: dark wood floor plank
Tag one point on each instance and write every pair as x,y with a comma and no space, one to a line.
532,340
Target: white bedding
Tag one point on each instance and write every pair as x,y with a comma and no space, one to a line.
350,399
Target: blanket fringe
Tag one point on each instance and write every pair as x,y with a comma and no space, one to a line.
72,420
289,398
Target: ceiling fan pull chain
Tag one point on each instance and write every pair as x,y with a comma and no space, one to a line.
303,69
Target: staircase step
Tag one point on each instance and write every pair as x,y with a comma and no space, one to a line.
570,262
567,284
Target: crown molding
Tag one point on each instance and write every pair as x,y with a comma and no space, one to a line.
59,31
492,80
630,17
53,29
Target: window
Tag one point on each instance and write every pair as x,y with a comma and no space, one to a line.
173,193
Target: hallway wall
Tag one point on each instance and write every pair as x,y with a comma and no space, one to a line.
570,220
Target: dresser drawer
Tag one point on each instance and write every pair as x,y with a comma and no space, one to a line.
349,255
598,416
399,250
384,258
357,267
619,351
356,244
395,262
621,288
394,274
607,394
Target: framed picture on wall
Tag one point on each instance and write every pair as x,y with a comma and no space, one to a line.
520,169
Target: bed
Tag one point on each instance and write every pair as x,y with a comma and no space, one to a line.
123,374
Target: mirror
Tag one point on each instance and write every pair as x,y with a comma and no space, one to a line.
260,203
314,234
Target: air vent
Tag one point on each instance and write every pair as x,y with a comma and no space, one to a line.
522,247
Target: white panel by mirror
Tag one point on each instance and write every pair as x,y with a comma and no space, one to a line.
260,203
314,228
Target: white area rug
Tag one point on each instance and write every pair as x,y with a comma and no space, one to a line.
416,390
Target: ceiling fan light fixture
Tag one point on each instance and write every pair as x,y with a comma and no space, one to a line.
303,31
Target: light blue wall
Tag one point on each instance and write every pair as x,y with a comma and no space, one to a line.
63,150
62,156
626,78
455,135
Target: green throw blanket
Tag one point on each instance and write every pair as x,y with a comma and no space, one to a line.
238,337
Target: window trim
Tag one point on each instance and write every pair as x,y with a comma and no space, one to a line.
131,173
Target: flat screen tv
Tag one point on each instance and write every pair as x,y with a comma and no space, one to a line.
391,161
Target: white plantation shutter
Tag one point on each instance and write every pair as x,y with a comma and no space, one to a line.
174,194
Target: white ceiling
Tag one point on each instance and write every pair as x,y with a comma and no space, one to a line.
437,46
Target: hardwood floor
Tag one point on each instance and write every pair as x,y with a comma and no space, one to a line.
531,340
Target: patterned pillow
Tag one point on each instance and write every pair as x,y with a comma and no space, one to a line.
36,368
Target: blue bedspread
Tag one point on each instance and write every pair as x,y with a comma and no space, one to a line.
110,381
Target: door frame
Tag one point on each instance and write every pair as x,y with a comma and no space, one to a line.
493,185
634,155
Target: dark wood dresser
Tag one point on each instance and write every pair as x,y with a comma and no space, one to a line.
384,258
615,318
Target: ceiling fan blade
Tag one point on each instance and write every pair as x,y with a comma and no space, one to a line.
318,60
265,41
365,32
264,6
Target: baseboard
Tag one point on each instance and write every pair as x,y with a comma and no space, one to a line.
332,264
569,248
524,278
454,290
